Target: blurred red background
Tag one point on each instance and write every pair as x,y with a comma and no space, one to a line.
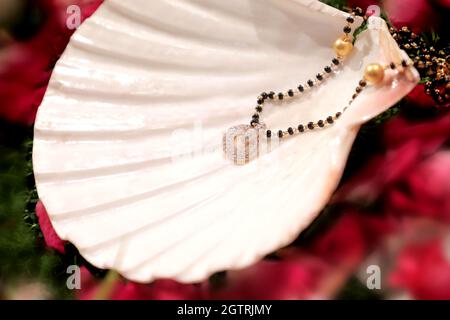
392,209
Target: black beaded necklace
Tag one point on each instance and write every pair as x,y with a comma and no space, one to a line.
242,143
343,46
255,121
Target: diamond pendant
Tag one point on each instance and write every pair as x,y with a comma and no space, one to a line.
241,143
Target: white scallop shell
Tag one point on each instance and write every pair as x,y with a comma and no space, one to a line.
127,148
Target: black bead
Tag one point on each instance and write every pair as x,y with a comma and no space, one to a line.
404,63
264,95
259,109
280,134
319,77
350,20
269,133
255,116
290,131
310,83
358,11
271,95
327,69
358,89
362,83
347,29
260,101
321,123
338,114
280,96
335,61
301,128
330,120
354,96
291,93
300,88
311,126
392,65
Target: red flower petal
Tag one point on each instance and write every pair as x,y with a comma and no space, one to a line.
417,14
27,65
418,97
52,240
423,270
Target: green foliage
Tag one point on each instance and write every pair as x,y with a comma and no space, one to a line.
355,290
340,4
23,256
358,31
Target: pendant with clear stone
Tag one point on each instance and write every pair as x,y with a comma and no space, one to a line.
241,143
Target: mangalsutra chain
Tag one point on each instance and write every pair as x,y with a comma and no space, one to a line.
241,143
343,46
374,74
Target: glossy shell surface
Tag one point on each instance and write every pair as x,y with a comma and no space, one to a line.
128,154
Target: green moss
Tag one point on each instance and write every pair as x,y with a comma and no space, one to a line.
23,254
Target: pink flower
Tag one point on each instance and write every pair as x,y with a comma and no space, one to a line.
420,15
26,65
314,271
410,178
426,190
423,270
417,97
51,238
344,243
294,278
120,289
